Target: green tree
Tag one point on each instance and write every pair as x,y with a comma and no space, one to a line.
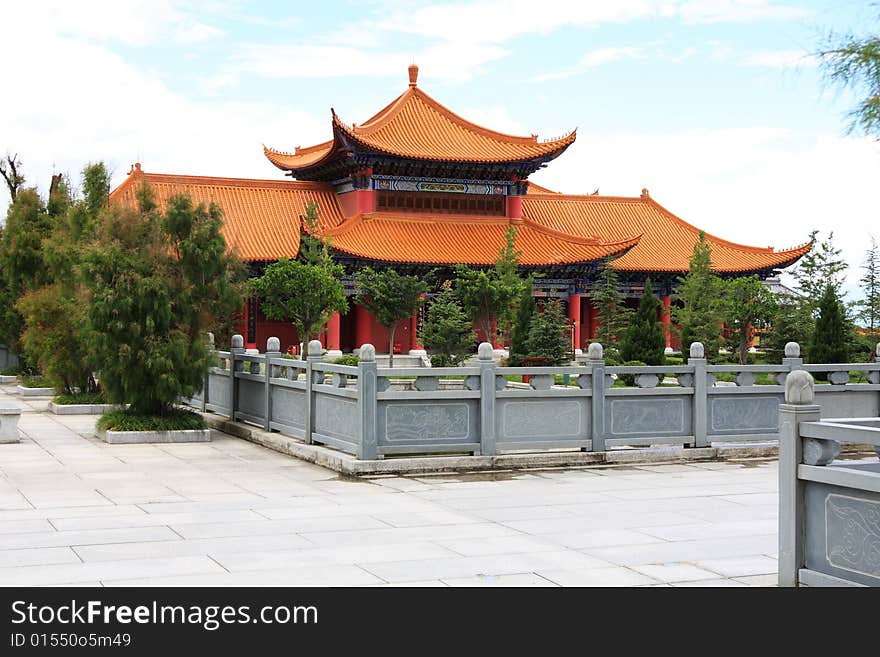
822,266
747,305
698,311
10,169
644,339
853,61
156,281
526,310
791,321
391,297
447,333
547,335
491,294
869,305
612,313
21,260
304,294
57,333
832,334
313,249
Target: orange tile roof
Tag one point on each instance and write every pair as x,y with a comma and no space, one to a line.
414,125
667,241
261,218
453,239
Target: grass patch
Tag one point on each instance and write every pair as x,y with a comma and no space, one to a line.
177,420
36,382
81,398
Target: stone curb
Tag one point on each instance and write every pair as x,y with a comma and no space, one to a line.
348,465
81,409
35,392
144,437
6,379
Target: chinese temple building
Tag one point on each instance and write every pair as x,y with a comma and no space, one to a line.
417,187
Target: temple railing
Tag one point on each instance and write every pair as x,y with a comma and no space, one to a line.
829,511
485,409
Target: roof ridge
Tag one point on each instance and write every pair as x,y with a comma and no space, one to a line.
593,198
709,236
231,181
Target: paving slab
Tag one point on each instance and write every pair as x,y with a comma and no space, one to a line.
75,510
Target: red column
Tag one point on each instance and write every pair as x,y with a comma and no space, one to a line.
574,314
333,333
665,318
414,332
362,326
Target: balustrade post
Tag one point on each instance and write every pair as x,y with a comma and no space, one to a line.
799,407
313,355
367,447
700,406
209,341
792,359
235,365
487,399
596,363
273,350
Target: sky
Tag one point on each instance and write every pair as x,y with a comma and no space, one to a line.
717,107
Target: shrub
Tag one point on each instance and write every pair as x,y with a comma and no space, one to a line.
157,281
644,339
12,370
547,337
348,359
80,398
448,331
629,380
175,419
36,382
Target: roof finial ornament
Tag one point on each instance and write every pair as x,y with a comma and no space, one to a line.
413,74
645,194
135,168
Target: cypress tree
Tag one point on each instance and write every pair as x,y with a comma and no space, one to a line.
830,343
447,333
519,334
547,335
644,339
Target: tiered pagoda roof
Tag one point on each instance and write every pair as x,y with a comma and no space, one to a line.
415,127
416,134
262,220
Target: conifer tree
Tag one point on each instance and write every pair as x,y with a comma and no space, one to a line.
447,333
156,280
519,334
820,267
832,333
869,305
644,339
698,313
613,315
547,335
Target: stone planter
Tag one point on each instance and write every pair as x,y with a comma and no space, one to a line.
143,437
9,415
6,379
82,409
35,392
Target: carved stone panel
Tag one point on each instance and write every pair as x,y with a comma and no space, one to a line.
251,395
737,414
289,406
336,417
218,390
542,419
656,416
427,422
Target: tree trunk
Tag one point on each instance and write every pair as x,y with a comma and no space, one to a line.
391,331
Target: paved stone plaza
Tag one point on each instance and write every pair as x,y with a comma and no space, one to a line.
74,510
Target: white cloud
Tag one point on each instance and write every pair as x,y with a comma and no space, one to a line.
120,114
737,11
444,61
592,59
780,59
760,186
132,22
